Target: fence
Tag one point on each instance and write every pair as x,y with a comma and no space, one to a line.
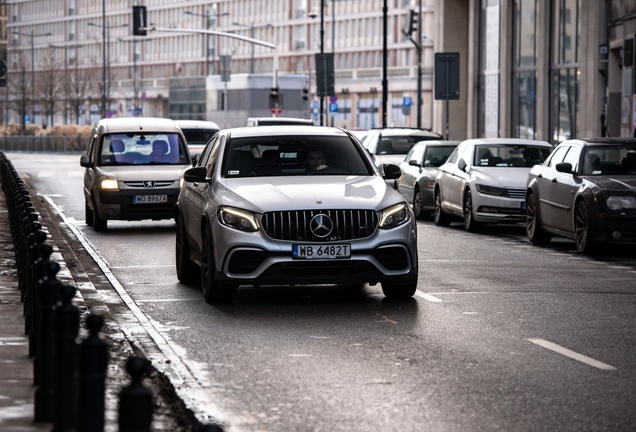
43,143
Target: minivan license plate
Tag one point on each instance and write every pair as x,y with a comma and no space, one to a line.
320,251
150,199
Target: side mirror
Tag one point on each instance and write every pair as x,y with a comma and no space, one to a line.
414,163
391,171
461,164
564,167
85,161
196,174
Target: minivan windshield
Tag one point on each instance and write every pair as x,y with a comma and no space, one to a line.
143,149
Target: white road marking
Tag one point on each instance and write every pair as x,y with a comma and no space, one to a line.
46,174
427,297
571,354
300,355
75,173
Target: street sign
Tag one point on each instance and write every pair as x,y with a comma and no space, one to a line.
27,118
325,85
407,101
137,112
316,105
333,108
446,76
333,99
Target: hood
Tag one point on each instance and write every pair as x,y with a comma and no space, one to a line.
312,192
144,172
385,159
510,177
614,182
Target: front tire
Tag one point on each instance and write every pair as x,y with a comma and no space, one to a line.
441,218
400,290
470,224
88,214
417,205
187,270
536,235
213,290
583,229
99,224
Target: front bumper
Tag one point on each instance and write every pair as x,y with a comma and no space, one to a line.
494,209
615,228
119,205
256,259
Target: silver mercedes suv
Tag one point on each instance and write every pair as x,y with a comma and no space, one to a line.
292,205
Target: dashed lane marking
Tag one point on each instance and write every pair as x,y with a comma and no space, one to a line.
427,297
571,354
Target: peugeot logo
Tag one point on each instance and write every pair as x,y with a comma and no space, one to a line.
321,225
149,184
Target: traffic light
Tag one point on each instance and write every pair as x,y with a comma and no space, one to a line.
305,94
139,20
411,22
274,98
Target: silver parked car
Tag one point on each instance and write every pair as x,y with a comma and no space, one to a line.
134,170
292,205
197,134
419,170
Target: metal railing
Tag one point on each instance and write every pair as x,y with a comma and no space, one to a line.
43,143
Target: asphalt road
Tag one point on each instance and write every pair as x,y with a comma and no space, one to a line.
501,335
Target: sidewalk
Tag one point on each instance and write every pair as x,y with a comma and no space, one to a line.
16,368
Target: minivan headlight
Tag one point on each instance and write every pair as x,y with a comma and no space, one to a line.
621,202
109,183
394,216
238,219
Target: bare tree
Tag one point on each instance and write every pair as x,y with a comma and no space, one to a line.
50,85
21,89
83,86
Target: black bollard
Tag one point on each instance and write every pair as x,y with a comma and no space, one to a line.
135,400
43,363
37,237
30,216
66,329
44,251
91,379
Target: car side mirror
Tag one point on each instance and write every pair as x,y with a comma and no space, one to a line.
391,171
461,164
196,174
564,167
85,161
414,162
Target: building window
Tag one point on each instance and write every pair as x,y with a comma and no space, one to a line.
524,69
488,110
564,73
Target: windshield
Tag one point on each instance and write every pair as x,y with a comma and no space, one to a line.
619,159
508,155
293,155
198,136
143,149
399,145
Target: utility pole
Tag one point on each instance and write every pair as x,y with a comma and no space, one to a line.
385,82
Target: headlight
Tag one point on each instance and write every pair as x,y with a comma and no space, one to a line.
621,202
491,190
394,216
237,219
109,183
181,182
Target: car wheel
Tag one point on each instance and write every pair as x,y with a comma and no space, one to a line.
99,224
584,238
213,290
441,218
400,290
187,270
88,214
470,223
417,204
536,234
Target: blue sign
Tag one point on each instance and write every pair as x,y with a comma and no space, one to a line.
333,99
316,105
27,118
333,107
137,112
407,101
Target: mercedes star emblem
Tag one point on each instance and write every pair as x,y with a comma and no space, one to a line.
321,225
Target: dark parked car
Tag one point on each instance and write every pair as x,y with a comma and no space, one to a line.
197,134
419,169
585,190
292,205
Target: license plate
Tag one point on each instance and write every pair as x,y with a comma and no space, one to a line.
319,251
523,205
150,199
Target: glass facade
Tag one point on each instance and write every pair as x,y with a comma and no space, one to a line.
524,69
564,70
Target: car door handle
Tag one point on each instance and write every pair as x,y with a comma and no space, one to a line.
539,175
554,180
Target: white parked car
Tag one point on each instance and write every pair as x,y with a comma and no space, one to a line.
484,181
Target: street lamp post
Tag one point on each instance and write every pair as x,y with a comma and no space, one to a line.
106,61
32,36
207,36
